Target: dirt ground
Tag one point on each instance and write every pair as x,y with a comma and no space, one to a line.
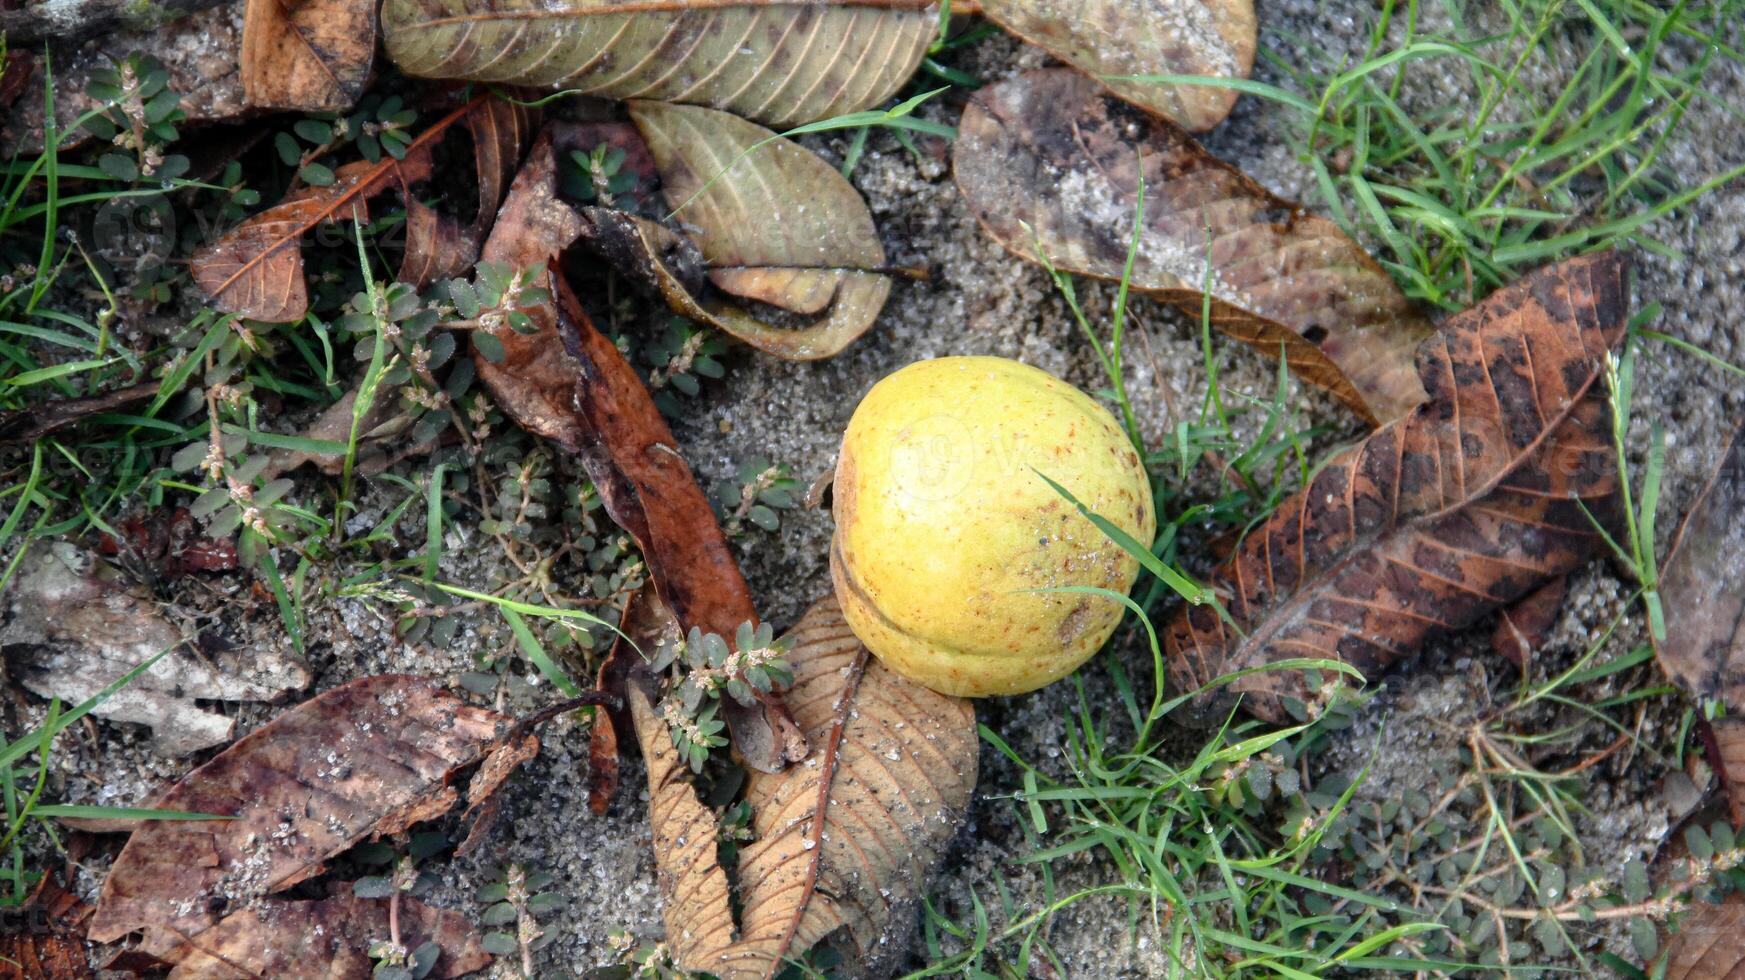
982,301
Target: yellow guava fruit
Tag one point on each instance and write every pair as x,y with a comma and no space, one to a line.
946,530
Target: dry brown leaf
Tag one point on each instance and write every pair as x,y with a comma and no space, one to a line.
50,947
256,270
382,440
1707,944
784,62
1525,626
845,842
1050,166
567,382
87,630
1470,502
1111,39
365,759
327,939
779,227
1702,590
307,54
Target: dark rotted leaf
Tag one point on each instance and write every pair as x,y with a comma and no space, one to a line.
169,543
1050,166
839,846
782,63
382,751
1111,39
256,270
329,938
307,54
1702,588
1525,626
27,425
1470,502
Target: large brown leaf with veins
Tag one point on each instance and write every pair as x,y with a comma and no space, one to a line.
844,842
364,759
1112,39
784,62
1702,589
1048,165
1472,501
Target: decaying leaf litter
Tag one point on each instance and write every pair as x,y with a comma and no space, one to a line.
892,349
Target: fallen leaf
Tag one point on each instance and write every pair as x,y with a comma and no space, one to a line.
15,74
199,51
307,54
1706,945
169,543
782,63
327,939
1702,590
382,439
27,425
50,947
256,269
778,226
366,759
87,630
1470,502
844,843
568,383
1525,626
1110,39
1050,166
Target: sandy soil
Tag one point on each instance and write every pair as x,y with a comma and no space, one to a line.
980,300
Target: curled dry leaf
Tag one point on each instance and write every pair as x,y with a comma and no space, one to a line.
365,759
1706,945
1112,39
778,227
256,270
1050,166
381,441
327,939
784,63
1470,502
86,630
1702,589
567,382
844,844
307,54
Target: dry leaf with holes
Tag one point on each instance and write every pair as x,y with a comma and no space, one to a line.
1050,166
83,629
1110,40
307,54
1702,589
567,382
1471,502
792,258
365,759
843,844
256,269
781,63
